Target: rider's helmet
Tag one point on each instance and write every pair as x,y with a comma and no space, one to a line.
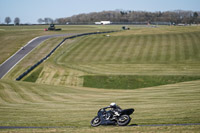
113,105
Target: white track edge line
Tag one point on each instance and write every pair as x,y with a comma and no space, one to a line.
18,51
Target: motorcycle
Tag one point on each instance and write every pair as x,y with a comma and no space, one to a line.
108,118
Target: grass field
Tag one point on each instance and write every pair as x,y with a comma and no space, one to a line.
134,81
14,37
58,96
172,51
29,104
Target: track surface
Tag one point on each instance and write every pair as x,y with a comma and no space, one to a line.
20,54
153,125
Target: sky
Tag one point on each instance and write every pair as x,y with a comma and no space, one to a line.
29,11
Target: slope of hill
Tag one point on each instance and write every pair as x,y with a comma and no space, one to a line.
31,104
58,98
142,51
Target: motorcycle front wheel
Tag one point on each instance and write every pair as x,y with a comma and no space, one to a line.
96,121
123,120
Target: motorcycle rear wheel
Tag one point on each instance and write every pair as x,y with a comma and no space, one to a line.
96,121
123,120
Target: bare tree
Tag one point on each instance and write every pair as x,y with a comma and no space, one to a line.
16,21
40,20
7,20
195,16
48,20
60,21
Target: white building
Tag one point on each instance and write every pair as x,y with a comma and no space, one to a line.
103,22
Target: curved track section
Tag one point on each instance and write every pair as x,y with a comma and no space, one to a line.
20,54
48,55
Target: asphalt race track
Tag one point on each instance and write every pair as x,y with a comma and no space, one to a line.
6,66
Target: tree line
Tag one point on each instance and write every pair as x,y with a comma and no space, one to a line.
16,20
120,16
46,20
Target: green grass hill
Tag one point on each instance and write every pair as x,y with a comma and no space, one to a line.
155,70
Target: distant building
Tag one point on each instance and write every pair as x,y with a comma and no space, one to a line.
97,22
103,22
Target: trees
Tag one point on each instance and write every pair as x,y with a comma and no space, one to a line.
121,16
16,21
60,21
40,20
48,20
7,20
195,17
45,20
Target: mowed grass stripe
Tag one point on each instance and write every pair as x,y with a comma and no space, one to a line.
142,48
71,55
170,42
139,48
68,45
159,48
15,93
195,40
198,42
32,97
8,95
18,89
168,48
193,46
120,49
155,49
164,49
126,49
96,52
182,47
41,95
113,49
126,57
2,101
103,53
147,50
5,97
177,48
136,47
87,52
150,50
173,48
186,46
142,69
83,51
108,53
116,52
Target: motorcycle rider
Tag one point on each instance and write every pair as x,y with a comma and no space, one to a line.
115,110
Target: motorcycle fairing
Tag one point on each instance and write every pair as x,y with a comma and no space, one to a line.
106,122
127,111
